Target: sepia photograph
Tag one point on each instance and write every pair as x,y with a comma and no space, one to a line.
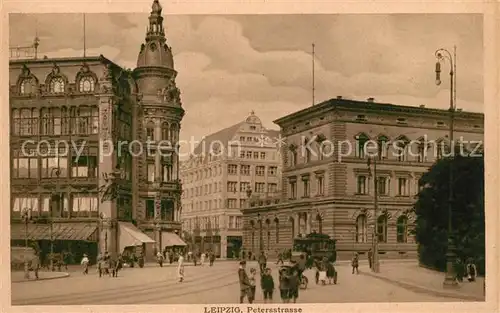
246,159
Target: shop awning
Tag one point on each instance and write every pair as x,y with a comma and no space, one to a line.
169,239
60,231
131,236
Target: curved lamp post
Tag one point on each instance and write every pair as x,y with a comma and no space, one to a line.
443,55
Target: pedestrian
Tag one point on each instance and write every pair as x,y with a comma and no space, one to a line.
471,270
180,267
99,264
170,257
459,269
243,254
253,282
370,257
244,283
159,258
294,284
118,265
211,257
35,264
85,264
322,273
202,260
355,263
284,280
280,258
262,262
106,262
195,258
267,284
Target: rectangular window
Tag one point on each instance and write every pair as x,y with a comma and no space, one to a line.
305,184
24,166
242,154
260,187
262,155
382,186
53,163
249,155
232,169
231,186
293,189
231,203
245,170
243,203
361,185
260,170
402,186
255,155
84,165
84,206
320,185
272,171
151,172
28,203
239,222
272,188
150,209
244,186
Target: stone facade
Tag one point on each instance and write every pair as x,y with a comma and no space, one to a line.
333,192
94,104
217,183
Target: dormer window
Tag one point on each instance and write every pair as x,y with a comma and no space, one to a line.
253,128
87,84
28,86
56,85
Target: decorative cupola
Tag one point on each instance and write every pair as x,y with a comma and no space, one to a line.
155,52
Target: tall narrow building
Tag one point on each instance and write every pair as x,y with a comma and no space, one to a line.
158,116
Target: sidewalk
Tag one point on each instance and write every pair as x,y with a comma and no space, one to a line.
18,276
410,275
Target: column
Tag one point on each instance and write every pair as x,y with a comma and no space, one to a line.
296,221
157,218
223,245
107,174
308,223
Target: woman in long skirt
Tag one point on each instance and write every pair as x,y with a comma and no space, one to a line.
203,256
180,267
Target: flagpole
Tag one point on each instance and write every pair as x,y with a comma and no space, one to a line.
84,39
313,83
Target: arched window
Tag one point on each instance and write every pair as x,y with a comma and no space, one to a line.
293,157
57,85
87,84
402,229
382,145
382,228
277,229
361,234
28,86
174,129
401,146
165,132
361,141
320,223
150,131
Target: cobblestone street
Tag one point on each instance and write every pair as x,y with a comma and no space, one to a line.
203,285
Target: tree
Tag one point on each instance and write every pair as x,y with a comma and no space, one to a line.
468,222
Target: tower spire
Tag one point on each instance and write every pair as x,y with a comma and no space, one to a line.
155,29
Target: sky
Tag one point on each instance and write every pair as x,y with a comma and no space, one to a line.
229,65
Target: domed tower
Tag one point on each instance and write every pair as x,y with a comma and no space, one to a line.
158,120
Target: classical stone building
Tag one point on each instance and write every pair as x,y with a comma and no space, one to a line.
75,172
333,192
225,168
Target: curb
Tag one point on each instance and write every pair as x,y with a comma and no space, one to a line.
64,275
421,289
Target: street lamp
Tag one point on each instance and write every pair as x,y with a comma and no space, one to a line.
57,172
442,55
376,263
26,216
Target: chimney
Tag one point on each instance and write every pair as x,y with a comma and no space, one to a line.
339,97
370,99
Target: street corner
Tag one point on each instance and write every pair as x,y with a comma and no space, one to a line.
18,277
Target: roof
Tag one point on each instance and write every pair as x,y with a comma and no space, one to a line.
225,135
348,104
99,58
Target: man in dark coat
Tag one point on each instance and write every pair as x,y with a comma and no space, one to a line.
262,262
245,286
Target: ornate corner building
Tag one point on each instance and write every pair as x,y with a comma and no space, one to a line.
328,185
227,167
94,166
